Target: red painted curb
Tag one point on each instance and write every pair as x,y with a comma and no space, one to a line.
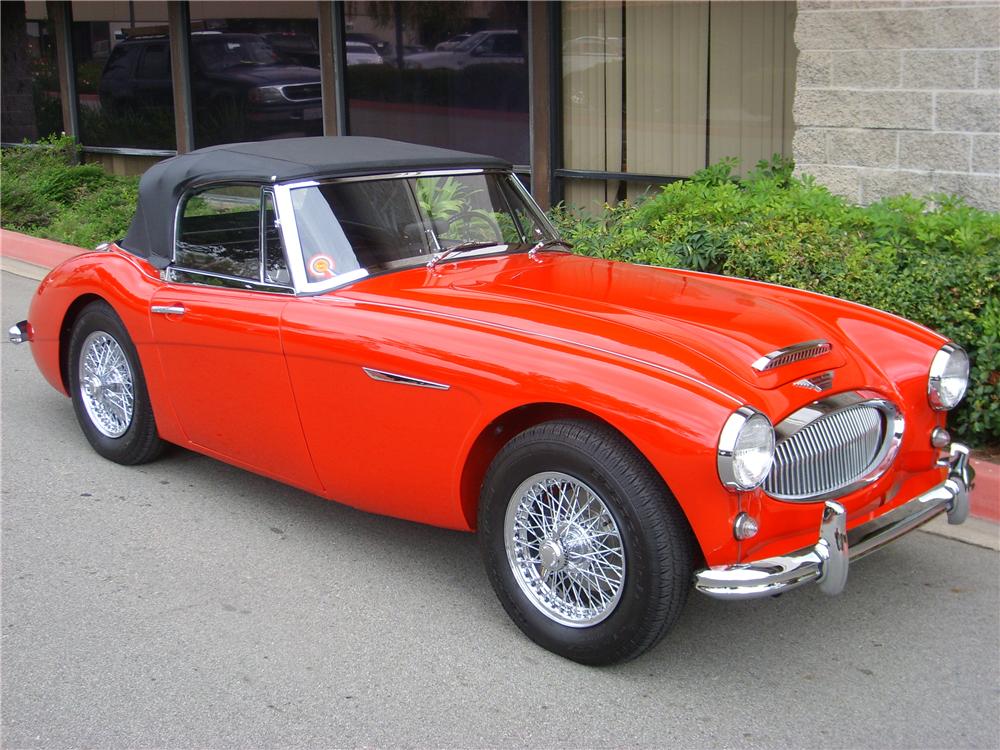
985,501
35,250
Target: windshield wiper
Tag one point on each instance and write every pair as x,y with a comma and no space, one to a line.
546,244
459,248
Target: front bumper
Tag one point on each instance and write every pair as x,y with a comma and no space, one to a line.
827,562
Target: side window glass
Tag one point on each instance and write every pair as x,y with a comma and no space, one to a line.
219,232
275,266
155,63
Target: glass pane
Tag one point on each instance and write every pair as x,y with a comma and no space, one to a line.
31,107
753,75
254,71
444,74
123,79
382,224
220,232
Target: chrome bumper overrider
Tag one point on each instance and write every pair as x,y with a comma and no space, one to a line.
827,562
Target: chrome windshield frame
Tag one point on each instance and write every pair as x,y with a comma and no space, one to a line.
290,232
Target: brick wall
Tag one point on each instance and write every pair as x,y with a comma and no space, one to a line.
899,97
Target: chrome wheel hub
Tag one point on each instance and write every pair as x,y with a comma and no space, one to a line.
106,384
565,549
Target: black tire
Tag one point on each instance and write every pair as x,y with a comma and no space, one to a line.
139,442
657,541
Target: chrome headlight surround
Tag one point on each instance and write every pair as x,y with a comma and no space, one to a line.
948,378
746,450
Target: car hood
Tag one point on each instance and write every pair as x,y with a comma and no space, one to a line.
689,322
268,75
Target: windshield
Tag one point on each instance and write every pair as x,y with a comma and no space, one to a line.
351,227
472,41
228,52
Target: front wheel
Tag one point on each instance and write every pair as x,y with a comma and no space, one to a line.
585,546
108,388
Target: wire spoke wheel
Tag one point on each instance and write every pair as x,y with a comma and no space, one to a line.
106,384
565,549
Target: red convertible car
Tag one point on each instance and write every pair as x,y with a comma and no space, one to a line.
399,328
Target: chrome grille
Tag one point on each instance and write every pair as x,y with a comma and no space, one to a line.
300,92
824,450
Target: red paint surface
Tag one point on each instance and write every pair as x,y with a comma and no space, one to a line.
509,333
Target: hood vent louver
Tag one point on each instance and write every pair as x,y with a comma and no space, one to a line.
791,354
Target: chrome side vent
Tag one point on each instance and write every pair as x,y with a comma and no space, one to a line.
833,447
793,353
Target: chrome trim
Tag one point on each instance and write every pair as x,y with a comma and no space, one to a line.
233,282
819,383
940,437
892,437
828,561
727,444
168,309
938,364
281,88
392,176
794,353
19,333
390,377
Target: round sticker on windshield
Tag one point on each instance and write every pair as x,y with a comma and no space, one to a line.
321,265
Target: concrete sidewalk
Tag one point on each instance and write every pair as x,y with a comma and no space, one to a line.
32,257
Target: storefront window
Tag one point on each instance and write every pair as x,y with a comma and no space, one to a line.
31,108
123,80
453,75
658,88
254,78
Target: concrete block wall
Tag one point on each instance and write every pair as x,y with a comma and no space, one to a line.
899,96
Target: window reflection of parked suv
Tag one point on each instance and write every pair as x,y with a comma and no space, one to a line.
229,72
492,46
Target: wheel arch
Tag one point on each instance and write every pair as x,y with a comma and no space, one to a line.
504,428
66,331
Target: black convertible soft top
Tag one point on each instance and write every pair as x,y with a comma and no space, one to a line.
151,234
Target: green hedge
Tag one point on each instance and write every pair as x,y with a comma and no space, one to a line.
43,193
935,260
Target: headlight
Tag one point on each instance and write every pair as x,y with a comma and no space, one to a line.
949,377
746,449
266,95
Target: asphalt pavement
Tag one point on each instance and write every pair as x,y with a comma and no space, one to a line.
187,603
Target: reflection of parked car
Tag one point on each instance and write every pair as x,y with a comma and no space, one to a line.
360,53
499,46
451,43
294,48
229,72
399,328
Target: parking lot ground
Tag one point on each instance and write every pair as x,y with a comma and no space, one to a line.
186,603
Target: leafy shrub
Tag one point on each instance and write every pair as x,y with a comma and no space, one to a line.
45,193
935,261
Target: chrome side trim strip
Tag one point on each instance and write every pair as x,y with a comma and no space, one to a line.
390,377
793,353
827,562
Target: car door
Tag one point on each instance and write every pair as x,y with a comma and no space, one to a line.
216,323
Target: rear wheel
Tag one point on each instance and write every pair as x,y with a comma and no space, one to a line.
585,546
108,388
